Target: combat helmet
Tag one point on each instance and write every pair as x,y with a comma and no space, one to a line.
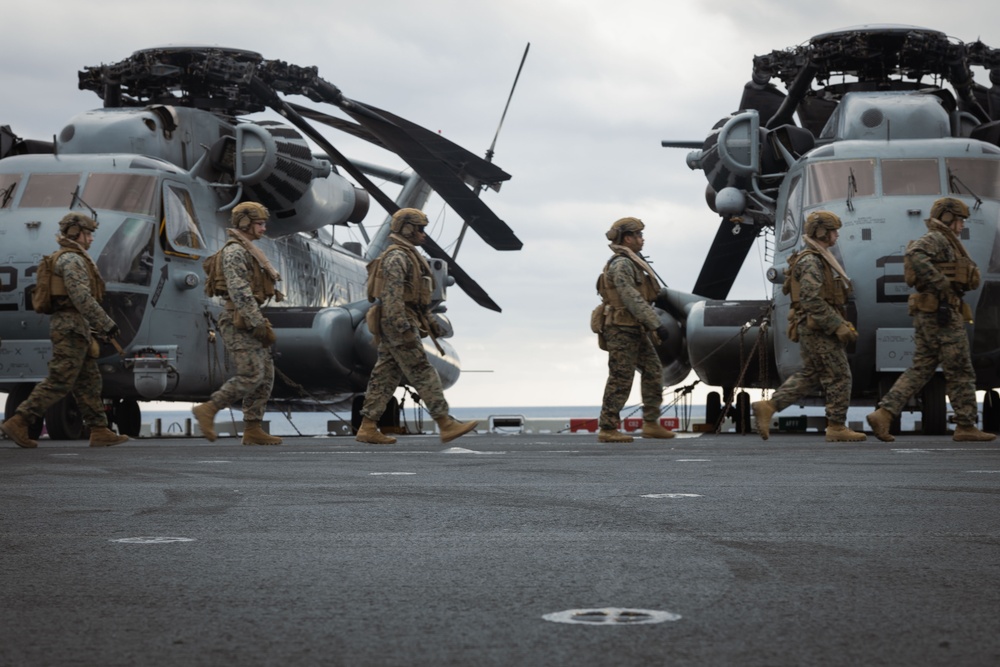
944,205
624,226
247,213
407,216
818,222
73,223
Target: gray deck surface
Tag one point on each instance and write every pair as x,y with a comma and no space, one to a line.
325,551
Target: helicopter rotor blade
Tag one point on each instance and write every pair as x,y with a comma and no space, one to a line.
724,260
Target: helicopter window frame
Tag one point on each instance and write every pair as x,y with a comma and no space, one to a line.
179,227
903,177
980,183
9,186
125,192
836,180
128,255
790,221
50,190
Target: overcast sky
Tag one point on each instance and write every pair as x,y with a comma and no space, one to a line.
603,84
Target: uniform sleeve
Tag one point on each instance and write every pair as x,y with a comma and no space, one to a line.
922,255
624,276
75,274
811,274
237,270
396,271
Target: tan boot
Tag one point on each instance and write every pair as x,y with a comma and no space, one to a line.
971,434
655,430
451,429
368,432
762,412
253,434
102,436
16,429
612,435
205,414
880,421
840,433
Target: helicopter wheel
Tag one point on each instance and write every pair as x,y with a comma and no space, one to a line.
713,409
387,423
991,411
64,420
742,412
19,394
127,416
935,410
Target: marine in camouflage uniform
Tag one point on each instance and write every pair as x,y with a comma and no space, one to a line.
401,281
819,289
77,289
627,288
248,283
942,272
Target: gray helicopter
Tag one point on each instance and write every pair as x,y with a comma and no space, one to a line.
160,166
890,119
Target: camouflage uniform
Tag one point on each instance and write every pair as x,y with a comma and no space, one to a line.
630,348
824,357
400,351
71,368
254,366
936,344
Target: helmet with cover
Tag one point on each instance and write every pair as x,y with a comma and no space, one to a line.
624,226
247,213
947,209
73,223
818,223
407,216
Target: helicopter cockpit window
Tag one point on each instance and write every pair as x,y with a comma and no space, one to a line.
179,223
8,188
129,193
840,180
911,177
793,208
128,255
49,190
970,176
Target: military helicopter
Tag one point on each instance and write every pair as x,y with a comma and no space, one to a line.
160,166
890,119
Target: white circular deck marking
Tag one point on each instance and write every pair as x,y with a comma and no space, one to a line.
672,495
392,473
611,616
463,450
152,540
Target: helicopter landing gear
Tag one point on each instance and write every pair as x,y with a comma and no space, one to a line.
991,411
389,419
15,397
742,414
64,421
713,410
126,414
934,412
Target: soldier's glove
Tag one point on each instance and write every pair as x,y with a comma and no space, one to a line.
663,333
846,333
112,332
265,334
943,315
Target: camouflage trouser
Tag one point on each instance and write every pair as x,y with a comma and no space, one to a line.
70,370
629,349
399,359
824,366
947,346
254,371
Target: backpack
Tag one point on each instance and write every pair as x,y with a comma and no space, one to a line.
215,281
41,295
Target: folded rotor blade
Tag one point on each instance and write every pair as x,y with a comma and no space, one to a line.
724,261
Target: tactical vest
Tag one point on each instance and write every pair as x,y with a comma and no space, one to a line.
261,284
617,314
57,286
834,291
419,286
962,273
